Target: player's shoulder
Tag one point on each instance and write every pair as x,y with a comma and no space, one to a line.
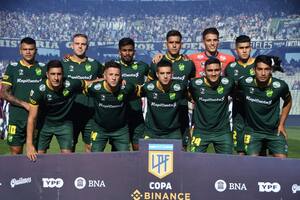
177,86
13,64
223,57
42,86
141,63
92,60
150,86
198,56
232,65
41,64
227,81
97,86
246,80
278,83
197,81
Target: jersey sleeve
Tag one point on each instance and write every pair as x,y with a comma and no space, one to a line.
152,72
35,96
8,76
193,71
285,92
100,70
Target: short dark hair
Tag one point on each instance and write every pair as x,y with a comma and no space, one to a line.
212,60
211,30
242,39
164,63
54,64
80,35
28,40
173,33
112,64
126,41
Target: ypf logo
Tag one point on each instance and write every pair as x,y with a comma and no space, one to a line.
160,160
52,182
268,187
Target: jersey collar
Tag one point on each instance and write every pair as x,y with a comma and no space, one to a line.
106,87
72,59
126,65
25,65
169,57
160,87
250,61
270,81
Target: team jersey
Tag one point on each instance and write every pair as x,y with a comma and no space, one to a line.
22,79
110,107
135,74
183,69
199,60
89,69
262,105
162,115
55,106
211,115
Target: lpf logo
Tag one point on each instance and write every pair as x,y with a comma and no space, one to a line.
160,160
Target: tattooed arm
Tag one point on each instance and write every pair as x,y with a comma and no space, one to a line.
8,96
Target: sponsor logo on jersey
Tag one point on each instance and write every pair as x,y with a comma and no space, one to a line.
135,75
221,186
97,86
38,71
176,87
199,82
42,87
160,160
20,181
276,84
268,187
220,89
88,67
249,80
225,81
181,67
52,182
269,92
81,183
150,86
295,188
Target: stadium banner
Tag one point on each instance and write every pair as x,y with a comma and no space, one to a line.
159,171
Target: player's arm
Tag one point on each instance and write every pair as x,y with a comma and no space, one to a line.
6,94
284,114
31,124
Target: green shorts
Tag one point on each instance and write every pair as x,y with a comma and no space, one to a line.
82,117
16,133
135,125
238,133
223,143
150,134
254,143
63,133
119,139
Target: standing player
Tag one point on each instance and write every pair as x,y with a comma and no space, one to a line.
111,103
17,82
133,72
164,97
79,66
183,71
51,102
242,67
211,114
210,38
264,123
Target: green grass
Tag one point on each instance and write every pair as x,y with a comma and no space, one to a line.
293,142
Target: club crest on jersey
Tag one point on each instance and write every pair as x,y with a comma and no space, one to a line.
269,92
21,72
252,72
38,71
276,84
66,92
249,80
176,87
199,82
225,81
42,87
220,89
71,68
172,96
97,86
120,97
88,67
160,160
150,86
181,67
134,66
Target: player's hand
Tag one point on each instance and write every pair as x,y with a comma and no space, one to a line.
281,130
157,58
31,152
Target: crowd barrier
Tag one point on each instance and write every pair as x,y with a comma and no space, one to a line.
159,171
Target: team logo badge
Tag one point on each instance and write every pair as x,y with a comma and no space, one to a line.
97,86
276,84
160,160
42,87
150,86
181,67
134,66
199,82
172,96
120,97
88,67
38,71
66,92
220,90
176,87
269,92
225,81
249,80
252,72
